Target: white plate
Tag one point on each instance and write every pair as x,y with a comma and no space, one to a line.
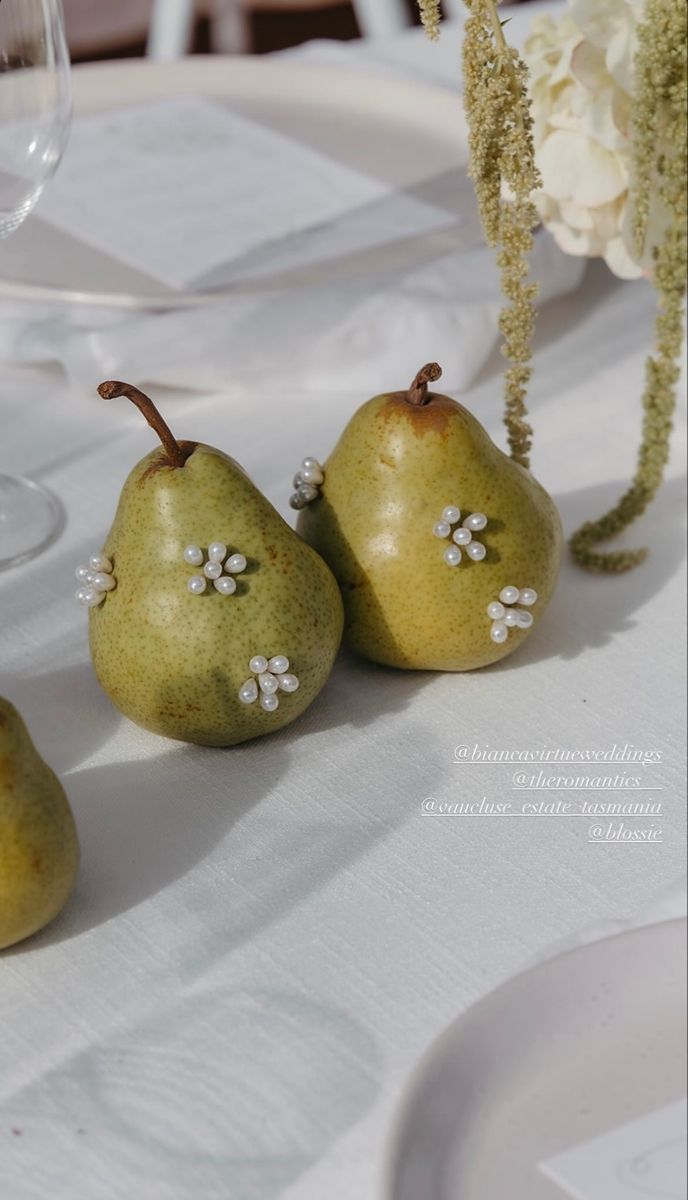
405,134
576,1047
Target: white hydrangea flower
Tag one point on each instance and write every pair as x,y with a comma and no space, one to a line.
581,79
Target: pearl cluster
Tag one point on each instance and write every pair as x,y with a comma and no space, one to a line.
273,677
307,482
504,617
214,568
462,537
96,581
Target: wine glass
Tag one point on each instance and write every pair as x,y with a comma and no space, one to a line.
35,118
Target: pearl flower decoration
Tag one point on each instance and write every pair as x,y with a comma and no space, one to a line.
307,482
463,537
504,617
96,581
219,569
269,676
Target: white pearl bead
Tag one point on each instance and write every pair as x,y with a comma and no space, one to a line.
525,620
527,596
279,664
462,537
313,475
499,632
476,551
452,556
225,585
98,562
476,522
212,570
307,492
297,480
509,595
288,683
451,513
90,597
81,574
269,702
296,502
193,555
511,618
495,610
235,564
258,664
310,463
102,582
442,529
248,692
217,552
197,585
267,683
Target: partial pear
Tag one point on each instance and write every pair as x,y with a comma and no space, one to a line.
39,848
423,585
210,594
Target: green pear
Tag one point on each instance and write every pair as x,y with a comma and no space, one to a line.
377,520
39,850
176,650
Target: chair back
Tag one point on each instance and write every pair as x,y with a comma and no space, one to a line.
381,18
171,20
170,28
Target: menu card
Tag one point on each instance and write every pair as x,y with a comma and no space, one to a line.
180,188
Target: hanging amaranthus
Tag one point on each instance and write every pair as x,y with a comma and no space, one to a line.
502,166
660,172
430,15
502,157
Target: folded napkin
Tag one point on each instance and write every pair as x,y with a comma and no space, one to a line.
283,260
365,332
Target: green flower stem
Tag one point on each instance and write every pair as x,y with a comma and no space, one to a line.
660,169
502,163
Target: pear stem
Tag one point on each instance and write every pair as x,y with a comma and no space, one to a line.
113,388
418,391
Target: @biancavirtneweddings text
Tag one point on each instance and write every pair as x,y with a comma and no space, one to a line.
611,789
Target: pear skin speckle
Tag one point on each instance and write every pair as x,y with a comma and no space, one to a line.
174,662
39,848
393,471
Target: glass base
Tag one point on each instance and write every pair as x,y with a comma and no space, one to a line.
30,519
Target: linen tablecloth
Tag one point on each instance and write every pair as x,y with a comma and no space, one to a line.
262,941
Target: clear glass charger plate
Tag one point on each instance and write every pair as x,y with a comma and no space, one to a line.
566,1052
408,135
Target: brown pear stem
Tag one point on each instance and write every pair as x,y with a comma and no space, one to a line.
418,391
113,388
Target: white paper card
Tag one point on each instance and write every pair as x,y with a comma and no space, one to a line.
644,1160
179,187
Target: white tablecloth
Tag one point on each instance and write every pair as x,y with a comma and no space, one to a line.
263,941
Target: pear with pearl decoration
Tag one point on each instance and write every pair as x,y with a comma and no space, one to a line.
424,521
204,571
